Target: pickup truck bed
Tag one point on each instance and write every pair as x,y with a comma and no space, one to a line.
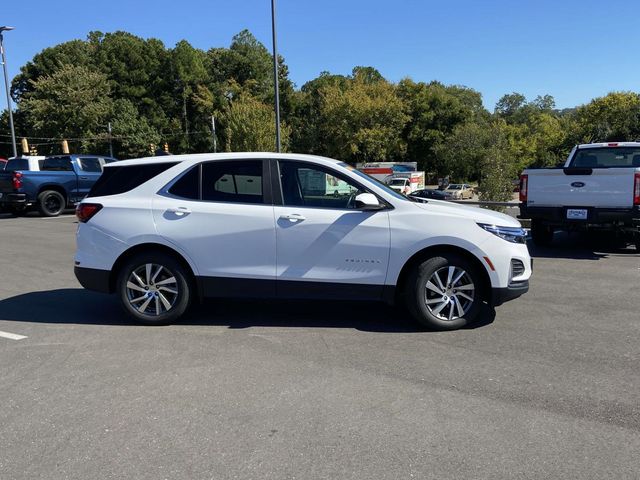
597,188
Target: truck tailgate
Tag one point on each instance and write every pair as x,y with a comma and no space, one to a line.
604,188
6,182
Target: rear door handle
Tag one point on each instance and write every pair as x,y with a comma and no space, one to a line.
179,210
84,178
293,217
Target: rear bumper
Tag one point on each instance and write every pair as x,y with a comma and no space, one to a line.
595,216
513,291
14,199
93,279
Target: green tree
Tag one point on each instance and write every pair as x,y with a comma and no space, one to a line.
73,102
361,120
133,133
614,117
435,110
250,126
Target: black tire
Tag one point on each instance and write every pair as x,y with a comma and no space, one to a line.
51,203
417,293
172,269
541,234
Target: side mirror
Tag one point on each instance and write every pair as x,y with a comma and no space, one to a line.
368,201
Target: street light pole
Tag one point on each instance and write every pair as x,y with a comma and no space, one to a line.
275,73
6,86
110,140
213,132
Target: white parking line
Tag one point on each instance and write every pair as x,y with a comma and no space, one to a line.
12,336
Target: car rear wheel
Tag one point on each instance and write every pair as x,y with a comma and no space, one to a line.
154,288
51,203
444,292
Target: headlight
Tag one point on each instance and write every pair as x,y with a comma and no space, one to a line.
510,234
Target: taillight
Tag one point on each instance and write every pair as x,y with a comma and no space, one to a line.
524,186
17,180
85,211
636,190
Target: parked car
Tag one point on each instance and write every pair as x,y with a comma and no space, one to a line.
162,232
431,193
61,182
598,188
30,163
3,163
460,191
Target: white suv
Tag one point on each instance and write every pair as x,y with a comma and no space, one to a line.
161,232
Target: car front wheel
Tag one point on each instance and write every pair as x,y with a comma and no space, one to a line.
445,292
154,288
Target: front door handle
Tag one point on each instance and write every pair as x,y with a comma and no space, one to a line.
293,217
179,210
84,178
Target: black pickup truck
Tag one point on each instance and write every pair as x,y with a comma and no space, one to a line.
61,182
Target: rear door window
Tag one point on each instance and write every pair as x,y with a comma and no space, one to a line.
57,164
234,181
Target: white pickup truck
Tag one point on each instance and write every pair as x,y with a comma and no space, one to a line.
597,188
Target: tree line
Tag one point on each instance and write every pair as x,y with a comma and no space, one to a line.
151,94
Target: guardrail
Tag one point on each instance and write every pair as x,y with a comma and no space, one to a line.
526,222
488,204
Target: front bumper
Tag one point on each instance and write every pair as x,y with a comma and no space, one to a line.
513,291
93,279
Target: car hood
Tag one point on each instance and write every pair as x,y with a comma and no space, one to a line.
477,214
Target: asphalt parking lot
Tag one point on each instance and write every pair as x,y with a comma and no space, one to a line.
548,386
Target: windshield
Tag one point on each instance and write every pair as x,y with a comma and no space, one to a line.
378,183
398,181
454,187
610,157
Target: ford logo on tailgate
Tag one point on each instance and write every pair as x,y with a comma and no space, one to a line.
578,184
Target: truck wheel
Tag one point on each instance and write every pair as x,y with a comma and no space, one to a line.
154,288
51,203
541,234
444,292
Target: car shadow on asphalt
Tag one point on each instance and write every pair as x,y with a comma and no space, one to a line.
81,307
582,246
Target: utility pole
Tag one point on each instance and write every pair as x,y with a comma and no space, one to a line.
6,86
213,131
275,73
110,140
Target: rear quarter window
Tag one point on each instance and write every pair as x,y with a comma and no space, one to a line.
119,179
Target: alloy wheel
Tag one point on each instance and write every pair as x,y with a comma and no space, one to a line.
449,293
152,289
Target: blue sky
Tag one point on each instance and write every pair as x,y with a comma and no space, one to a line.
573,50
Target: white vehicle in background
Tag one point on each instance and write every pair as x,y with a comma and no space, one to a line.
460,191
161,232
598,188
384,171
406,183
